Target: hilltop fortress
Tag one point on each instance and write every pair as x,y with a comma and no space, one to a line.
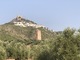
20,22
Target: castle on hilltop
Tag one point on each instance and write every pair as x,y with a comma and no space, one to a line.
20,22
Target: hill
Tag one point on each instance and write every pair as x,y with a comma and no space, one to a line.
15,31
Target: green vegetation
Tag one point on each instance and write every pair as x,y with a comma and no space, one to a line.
19,43
12,32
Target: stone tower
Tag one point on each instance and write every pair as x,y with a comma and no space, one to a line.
38,34
19,18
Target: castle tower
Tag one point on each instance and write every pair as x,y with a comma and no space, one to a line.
38,34
19,18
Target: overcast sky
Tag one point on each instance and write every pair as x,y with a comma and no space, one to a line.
55,14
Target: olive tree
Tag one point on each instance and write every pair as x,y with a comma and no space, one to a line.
2,53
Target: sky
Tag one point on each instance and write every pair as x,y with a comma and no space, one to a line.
54,14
